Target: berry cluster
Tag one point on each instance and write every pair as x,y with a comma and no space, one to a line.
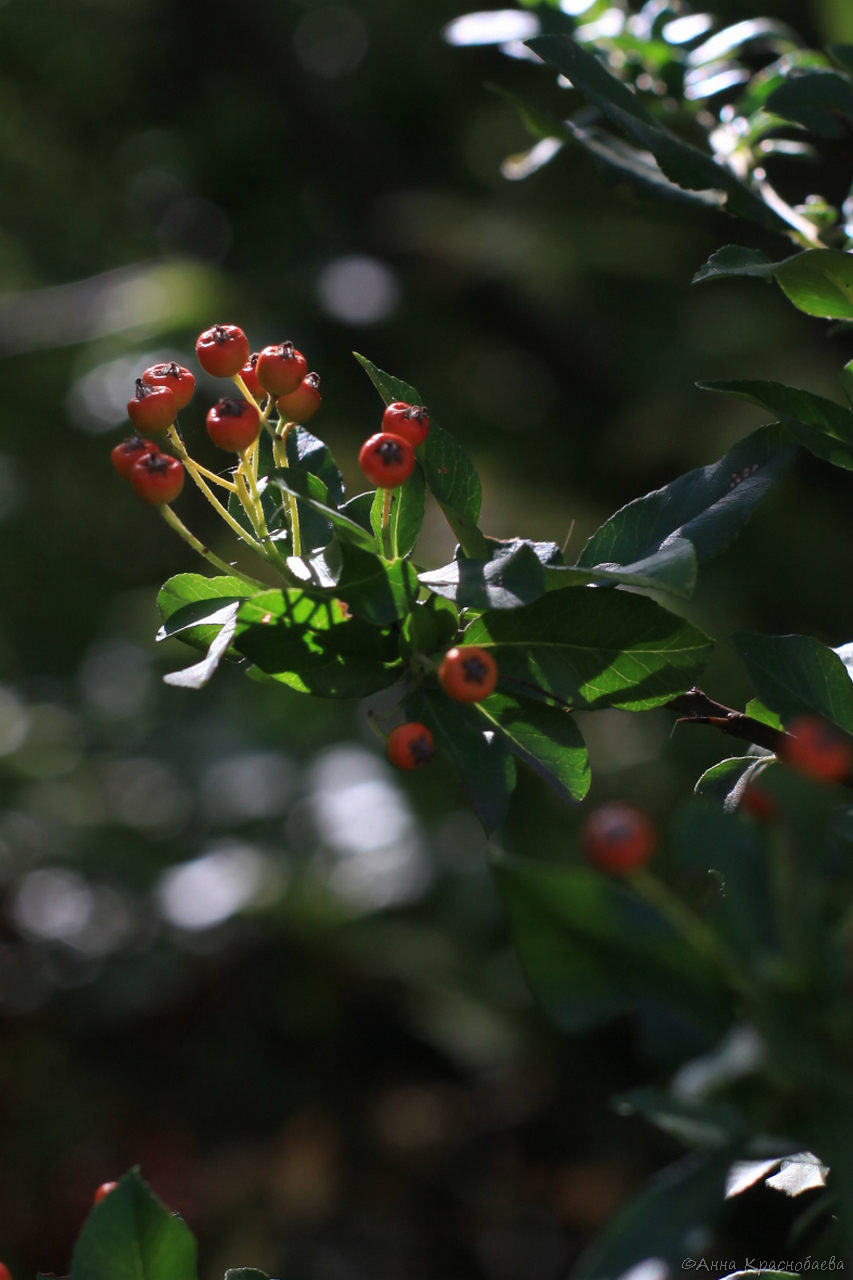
275,392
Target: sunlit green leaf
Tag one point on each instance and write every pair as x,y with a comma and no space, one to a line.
130,1235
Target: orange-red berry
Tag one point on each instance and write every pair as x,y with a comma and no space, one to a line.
410,745
153,408
468,673
303,403
818,749
222,350
281,368
386,460
249,374
174,376
619,838
233,424
5,1273
157,478
104,1190
124,455
407,420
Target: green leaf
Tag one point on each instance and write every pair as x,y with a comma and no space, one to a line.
820,425
821,101
449,473
819,282
593,950
733,260
797,675
377,590
671,569
431,625
308,489
545,738
130,1235
681,162
593,648
698,1125
305,452
485,769
406,515
706,507
725,782
619,162
679,1206
512,577
756,710
245,1273
194,588
313,647
197,675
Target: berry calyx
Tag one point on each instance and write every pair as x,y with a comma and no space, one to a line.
468,673
153,408
157,478
303,403
249,374
222,350
233,424
281,368
407,420
104,1190
124,455
179,380
410,745
817,749
619,838
387,460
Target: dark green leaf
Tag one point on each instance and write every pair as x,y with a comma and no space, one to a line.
678,1207
306,452
797,675
130,1235
619,162
376,590
312,646
546,738
681,162
593,648
245,1273
843,54
359,508
819,282
820,425
732,260
698,1125
592,950
671,569
726,781
304,486
431,625
512,577
707,506
449,474
821,101
485,769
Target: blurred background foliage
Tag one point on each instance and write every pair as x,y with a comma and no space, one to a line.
233,948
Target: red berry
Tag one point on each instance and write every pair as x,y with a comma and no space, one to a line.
387,460
104,1190
818,749
174,376
5,1273
233,424
125,454
157,478
152,408
407,420
249,375
281,368
619,838
303,403
468,673
222,350
410,745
